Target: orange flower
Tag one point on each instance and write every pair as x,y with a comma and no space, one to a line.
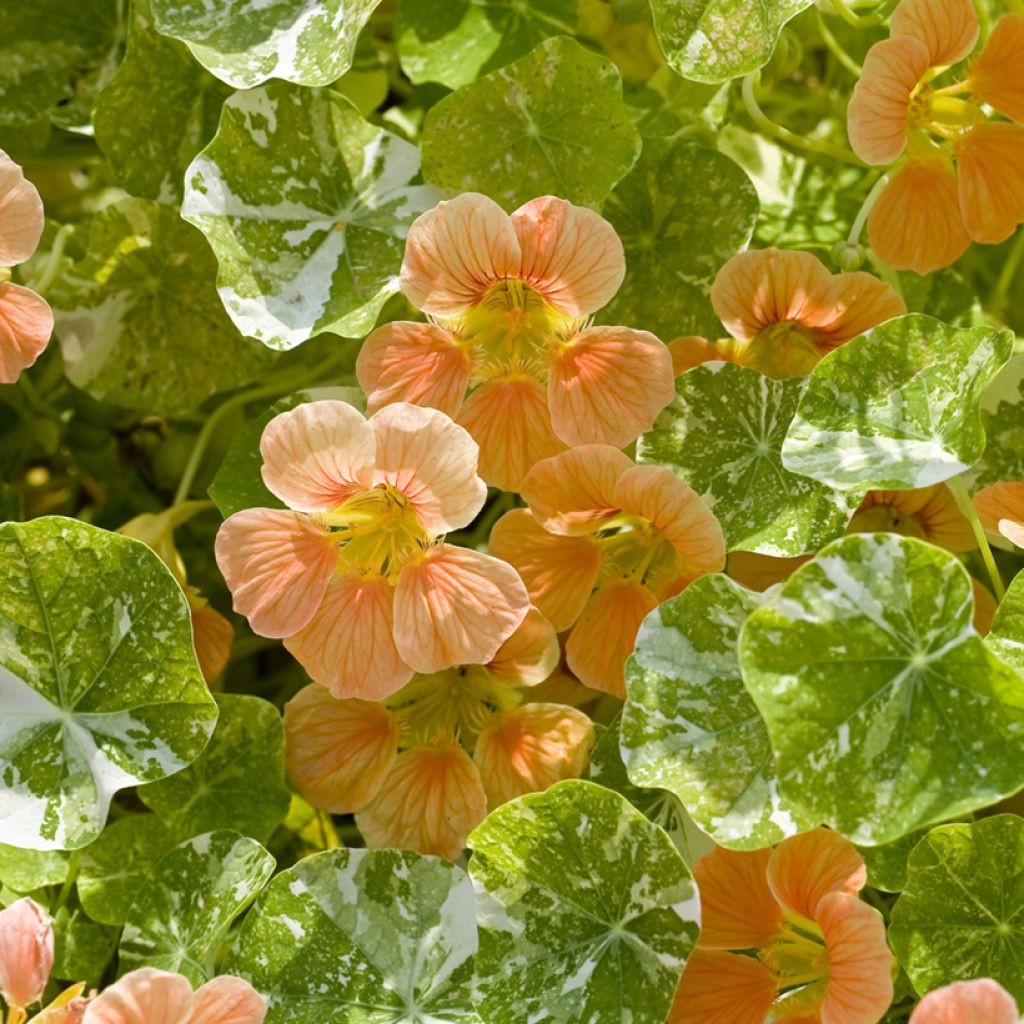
820,955
26,953
421,770
508,299
602,544
963,173
967,1002
929,513
759,572
1000,508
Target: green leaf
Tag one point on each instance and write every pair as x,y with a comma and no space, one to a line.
455,41
348,930
116,868
1006,637
245,42
138,318
897,407
83,948
960,915
553,122
1002,416
675,193
691,727
180,919
887,864
306,206
158,83
25,870
99,685
724,436
238,780
586,909
885,709
715,40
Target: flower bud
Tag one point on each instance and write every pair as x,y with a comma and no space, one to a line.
848,255
26,953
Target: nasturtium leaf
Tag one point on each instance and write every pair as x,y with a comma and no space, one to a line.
346,930
83,948
180,918
897,407
885,709
551,122
138,318
587,912
961,915
237,782
715,40
99,684
1006,636
887,864
114,869
724,436
691,727
245,42
945,295
1002,416
159,109
25,870
677,192
455,41
306,206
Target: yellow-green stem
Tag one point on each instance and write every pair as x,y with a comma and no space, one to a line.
967,507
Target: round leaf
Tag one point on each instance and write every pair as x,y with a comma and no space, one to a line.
1006,637
1002,415
25,870
99,685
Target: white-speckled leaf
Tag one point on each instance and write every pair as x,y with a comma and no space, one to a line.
307,207
99,685
691,727
1002,416
24,870
587,912
897,407
885,709
363,935
961,914
1006,636
245,42
724,436
553,122
180,919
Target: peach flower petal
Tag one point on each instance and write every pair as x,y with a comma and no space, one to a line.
723,988
982,1001
510,421
997,76
348,646
276,564
690,351
571,255
990,159
857,301
145,996
931,513
805,868
574,492
228,1000
605,634
338,752
26,952
455,252
432,461
877,113
948,29
985,607
317,455
430,802
1000,508
738,910
212,636
530,748
916,223
21,214
530,654
559,572
759,572
26,323
608,384
456,607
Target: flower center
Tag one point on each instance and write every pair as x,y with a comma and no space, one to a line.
799,960
887,519
633,549
941,112
783,350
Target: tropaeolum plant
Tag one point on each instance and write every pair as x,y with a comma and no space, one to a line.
511,512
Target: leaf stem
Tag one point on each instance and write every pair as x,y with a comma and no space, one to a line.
1007,273
837,49
42,284
877,17
967,507
865,211
69,882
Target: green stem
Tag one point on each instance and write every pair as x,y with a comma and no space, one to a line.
837,49
997,299
41,285
967,507
69,883
866,207
35,401
862,20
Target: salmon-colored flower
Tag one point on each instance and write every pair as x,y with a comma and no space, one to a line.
982,1001
508,299
68,1008
422,769
928,513
784,310
353,574
820,955
1000,508
759,572
26,953
602,543
962,173
26,321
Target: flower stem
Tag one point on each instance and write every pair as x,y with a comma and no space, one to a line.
997,299
837,49
967,507
865,211
877,17
42,284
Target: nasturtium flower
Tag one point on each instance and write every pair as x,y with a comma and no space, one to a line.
928,513
354,574
26,321
784,310
962,171
602,543
785,937
508,300
1000,509
421,770
26,953
982,1001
